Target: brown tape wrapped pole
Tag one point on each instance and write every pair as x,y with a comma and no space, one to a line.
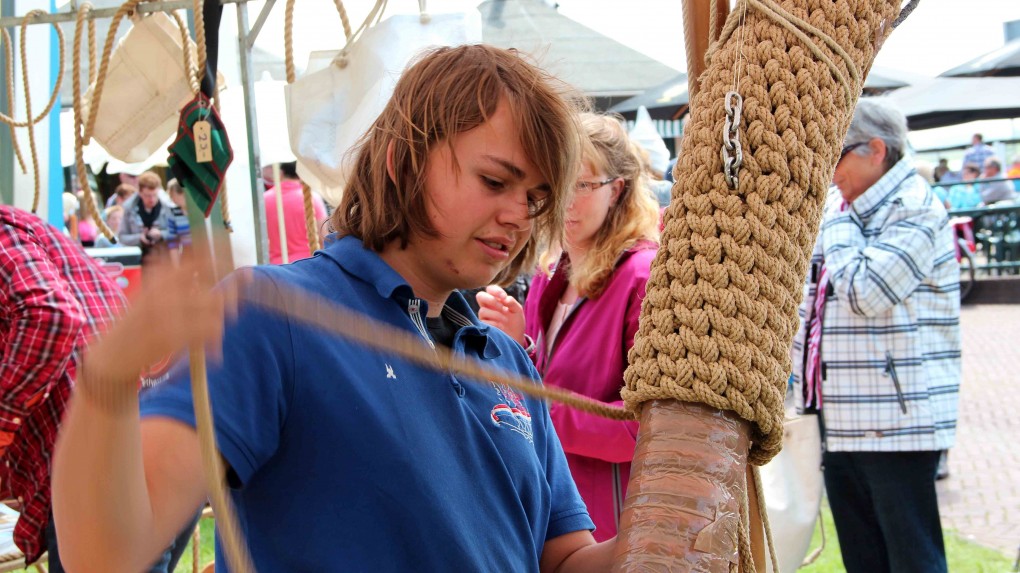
711,356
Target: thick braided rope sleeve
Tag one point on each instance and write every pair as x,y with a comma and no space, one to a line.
720,311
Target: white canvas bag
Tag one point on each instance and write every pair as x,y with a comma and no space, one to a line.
329,109
793,486
146,86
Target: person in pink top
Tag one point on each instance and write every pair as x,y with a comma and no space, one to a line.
293,215
579,320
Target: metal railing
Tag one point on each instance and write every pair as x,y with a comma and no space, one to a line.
997,231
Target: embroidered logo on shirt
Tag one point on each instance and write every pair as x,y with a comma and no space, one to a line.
511,412
389,372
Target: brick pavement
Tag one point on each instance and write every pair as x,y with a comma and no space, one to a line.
981,497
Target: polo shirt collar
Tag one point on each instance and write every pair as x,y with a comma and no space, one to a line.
352,256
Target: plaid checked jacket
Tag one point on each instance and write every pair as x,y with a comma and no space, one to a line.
890,344
53,298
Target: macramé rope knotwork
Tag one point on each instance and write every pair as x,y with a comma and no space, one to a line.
722,296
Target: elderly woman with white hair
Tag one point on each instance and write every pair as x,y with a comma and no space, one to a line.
878,354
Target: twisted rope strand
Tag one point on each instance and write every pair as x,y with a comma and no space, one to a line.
311,230
76,96
28,98
200,42
763,510
192,72
60,77
97,91
7,44
92,50
335,319
227,526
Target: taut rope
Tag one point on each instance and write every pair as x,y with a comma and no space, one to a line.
350,324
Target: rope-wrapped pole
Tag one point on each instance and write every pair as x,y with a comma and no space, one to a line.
720,310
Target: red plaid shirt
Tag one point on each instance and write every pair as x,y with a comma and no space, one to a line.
53,298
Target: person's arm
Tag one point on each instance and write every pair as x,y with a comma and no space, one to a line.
577,552
45,321
122,489
125,510
871,278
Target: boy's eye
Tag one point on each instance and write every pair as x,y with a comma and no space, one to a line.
492,183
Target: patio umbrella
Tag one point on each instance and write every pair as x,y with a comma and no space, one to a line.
949,101
1002,62
669,100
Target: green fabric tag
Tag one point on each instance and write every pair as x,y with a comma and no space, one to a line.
202,181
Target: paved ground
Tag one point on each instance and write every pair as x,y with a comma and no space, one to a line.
981,497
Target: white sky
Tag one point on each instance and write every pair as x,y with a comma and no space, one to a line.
938,35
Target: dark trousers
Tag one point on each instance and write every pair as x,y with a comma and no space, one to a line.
886,511
166,563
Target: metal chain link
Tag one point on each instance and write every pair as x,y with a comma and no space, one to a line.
732,155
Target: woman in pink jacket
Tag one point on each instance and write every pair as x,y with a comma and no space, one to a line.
579,319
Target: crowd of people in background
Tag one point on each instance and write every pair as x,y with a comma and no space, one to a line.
980,181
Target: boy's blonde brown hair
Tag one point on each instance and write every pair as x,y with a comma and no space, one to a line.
149,180
633,218
446,92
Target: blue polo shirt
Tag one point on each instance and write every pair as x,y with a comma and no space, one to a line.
350,459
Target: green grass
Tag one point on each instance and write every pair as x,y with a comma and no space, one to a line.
206,550
963,556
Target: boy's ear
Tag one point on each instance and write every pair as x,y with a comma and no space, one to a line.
389,162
